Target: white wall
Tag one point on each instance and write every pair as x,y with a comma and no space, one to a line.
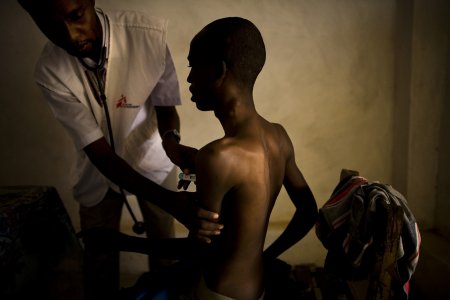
329,79
429,97
34,148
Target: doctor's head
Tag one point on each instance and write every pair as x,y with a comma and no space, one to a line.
70,24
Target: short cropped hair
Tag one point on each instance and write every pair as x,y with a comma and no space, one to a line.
36,6
32,5
237,42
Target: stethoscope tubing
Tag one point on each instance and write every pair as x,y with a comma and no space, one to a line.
98,89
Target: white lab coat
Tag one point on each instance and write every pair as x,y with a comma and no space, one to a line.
140,74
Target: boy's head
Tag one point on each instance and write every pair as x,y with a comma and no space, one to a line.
235,41
70,24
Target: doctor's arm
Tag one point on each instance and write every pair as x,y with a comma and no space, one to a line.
181,155
180,204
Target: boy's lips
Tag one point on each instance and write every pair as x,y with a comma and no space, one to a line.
192,93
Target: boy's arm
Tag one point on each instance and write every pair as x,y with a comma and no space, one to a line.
213,180
305,214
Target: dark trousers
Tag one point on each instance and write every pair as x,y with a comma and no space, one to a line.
102,270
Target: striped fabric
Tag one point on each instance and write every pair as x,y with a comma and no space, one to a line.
350,219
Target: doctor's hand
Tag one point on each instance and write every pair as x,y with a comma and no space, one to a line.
208,225
202,224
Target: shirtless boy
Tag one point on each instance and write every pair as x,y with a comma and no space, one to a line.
240,175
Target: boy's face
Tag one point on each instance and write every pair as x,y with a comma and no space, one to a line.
71,25
202,77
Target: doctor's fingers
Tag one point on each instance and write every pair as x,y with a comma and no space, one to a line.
205,235
208,216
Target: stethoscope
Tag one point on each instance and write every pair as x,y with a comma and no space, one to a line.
94,74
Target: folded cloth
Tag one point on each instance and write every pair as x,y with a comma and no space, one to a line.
349,221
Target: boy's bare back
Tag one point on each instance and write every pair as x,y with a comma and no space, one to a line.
248,169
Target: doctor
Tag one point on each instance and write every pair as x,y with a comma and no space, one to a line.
110,81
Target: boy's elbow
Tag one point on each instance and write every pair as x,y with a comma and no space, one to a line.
313,218
313,214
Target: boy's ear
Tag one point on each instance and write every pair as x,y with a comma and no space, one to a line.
221,71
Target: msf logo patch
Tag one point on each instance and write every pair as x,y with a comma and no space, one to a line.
122,103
